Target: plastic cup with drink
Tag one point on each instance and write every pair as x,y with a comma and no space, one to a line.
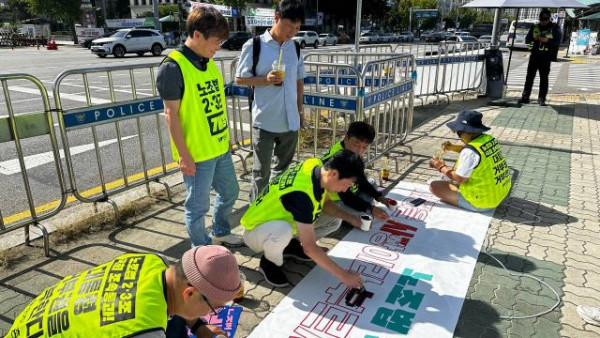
365,222
279,70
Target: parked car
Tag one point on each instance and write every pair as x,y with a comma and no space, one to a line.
504,39
386,37
485,39
369,37
462,33
133,40
435,37
458,43
406,36
307,38
236,40
328,39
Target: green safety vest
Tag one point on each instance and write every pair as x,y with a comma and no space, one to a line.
203,111
121,298
334,196
268,207
490,181
537,33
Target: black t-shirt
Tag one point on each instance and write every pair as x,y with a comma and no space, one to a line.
299,204
169,79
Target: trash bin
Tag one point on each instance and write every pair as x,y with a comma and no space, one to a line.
494,69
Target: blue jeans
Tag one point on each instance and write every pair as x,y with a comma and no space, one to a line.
218,173
464,204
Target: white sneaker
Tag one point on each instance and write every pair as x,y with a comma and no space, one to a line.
591,314
231,239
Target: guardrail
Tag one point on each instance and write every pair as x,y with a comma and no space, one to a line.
16,128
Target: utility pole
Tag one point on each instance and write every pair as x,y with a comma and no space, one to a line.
156,15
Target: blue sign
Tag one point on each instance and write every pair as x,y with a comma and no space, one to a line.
459,59
347,81
334,103
238,91
375,98
583,37
105,113
427,14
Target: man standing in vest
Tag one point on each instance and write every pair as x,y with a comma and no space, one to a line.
542,40
291,206
277,105
480,179
358,198
133,296
192,89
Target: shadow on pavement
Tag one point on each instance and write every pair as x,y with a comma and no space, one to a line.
521,211
477,319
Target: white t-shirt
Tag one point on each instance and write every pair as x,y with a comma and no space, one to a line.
468,159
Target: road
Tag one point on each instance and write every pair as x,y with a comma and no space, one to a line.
150,133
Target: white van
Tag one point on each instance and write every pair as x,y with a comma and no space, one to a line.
519,35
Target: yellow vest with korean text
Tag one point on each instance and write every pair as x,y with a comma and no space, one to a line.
203,111
334,196
121,298
490,181
268,207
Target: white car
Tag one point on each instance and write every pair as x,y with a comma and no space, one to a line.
386,37
369,37
328,39
307,38
459,43
406,36
131,40
485,39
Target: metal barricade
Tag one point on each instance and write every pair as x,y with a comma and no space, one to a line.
116,100
19,128
461,67
240,116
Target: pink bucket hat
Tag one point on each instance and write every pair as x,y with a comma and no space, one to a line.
212,270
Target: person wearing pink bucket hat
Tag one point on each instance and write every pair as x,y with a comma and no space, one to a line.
135,295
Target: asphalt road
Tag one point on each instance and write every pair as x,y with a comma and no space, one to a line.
25,97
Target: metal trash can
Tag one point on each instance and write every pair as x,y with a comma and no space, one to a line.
494,69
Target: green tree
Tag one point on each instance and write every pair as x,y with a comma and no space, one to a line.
403,11
164,10
122,9
66,11
17,10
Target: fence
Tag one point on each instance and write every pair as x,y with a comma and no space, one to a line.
19,128
121,108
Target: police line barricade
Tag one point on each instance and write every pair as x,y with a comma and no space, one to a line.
461,67
427,57
28,127
120,105
240,116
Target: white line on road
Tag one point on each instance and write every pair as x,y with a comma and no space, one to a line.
12,167
72,97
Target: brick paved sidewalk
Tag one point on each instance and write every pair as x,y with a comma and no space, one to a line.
548,228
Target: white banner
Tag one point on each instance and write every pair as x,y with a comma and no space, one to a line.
418,265
260,21
86,33
124,23
225,10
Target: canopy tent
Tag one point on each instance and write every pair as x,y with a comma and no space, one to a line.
498,4
595,16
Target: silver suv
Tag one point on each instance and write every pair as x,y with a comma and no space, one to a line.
307,38
131,40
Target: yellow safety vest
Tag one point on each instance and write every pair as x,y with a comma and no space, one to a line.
121,298
203,111
536,34
490,181
334,196
268,207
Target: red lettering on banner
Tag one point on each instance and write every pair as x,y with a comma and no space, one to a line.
326,320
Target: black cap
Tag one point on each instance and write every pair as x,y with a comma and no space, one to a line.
468,121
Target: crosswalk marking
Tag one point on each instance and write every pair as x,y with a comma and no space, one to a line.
584,76
516,77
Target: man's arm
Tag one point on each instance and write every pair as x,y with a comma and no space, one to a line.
333,210
243,73
300,100
186,163
306,233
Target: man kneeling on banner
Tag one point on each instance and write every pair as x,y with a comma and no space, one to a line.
359,198
133,296
285,219
480,180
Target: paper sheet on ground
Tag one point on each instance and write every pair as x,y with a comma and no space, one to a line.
418,265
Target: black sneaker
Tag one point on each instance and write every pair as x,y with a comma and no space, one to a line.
524,100
295,250
542,102
273,273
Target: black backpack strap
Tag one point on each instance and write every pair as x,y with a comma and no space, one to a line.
255,53
297,48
